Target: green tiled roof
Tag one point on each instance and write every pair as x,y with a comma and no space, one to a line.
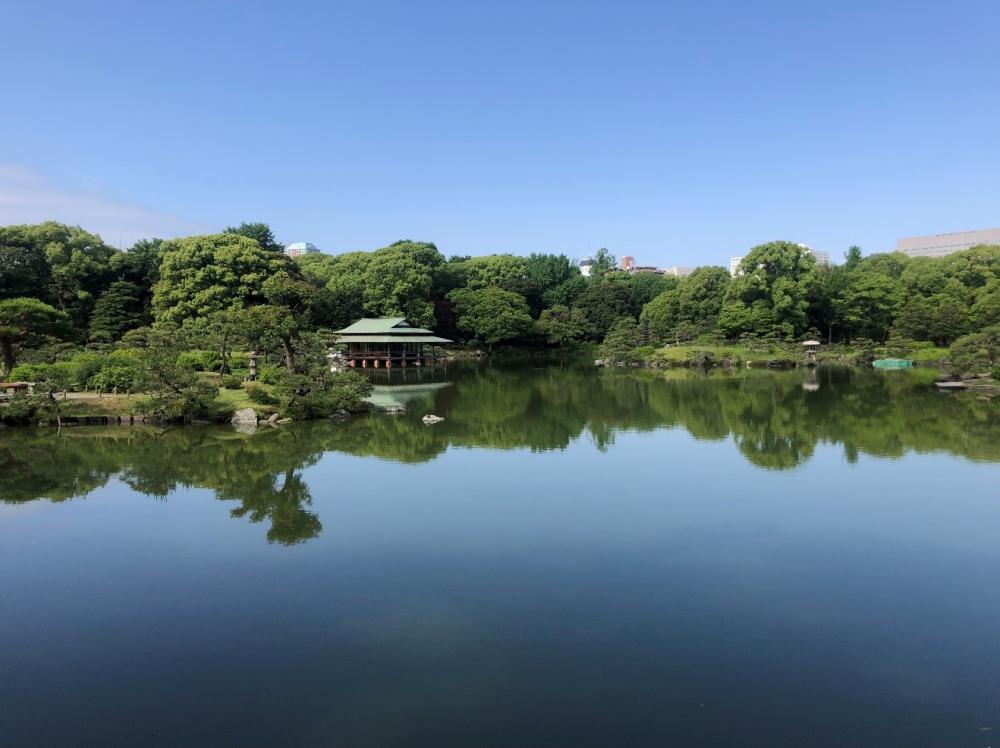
392,339
383,325
386,329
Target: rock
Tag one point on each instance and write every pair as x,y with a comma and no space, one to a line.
274,418
283,421
394,410
340,415
244,416
599,362
431,419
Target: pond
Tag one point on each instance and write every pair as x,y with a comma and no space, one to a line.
572,557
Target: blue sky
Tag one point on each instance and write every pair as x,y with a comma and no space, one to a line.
680,133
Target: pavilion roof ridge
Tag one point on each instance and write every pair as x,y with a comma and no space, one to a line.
383,326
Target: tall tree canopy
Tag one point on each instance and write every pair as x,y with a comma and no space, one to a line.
119,308
205,274
259,232
771,291
62,265
21,320
491,314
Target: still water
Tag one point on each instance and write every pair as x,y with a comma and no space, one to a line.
573,557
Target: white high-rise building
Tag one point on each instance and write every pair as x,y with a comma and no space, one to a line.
300,248
586,265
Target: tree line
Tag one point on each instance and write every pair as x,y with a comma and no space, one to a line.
63,289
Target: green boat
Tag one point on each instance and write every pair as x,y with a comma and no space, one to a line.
892,363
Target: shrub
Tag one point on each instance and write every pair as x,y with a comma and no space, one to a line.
21,409
29,373
259,395
230,382
269,374
199,360
701,359
978,352
85,366
115,375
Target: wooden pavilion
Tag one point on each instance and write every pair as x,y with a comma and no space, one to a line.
388,342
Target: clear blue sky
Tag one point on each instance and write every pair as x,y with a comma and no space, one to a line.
680,133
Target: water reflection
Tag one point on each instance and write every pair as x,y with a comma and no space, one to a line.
775,420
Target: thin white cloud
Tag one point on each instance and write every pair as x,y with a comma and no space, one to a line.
28,197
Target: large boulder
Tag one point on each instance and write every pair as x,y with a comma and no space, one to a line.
244,416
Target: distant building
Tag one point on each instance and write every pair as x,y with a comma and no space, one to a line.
645,269
677,271
628,263
300,248
939,245
822,259
586,265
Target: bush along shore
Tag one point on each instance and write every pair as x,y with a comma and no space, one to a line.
769,354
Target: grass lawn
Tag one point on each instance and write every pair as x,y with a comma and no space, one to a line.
679,355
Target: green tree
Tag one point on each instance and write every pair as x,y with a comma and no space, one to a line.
490,270
24,270
978,352
771,292
644,287
549,272
940,318
662,314
602,303
700,295
871,301
621,341
604,262
205,274
119,308
491,314
560,325
268,324
61,265
176,391
140,264
259,232
986,309
398,281
23,319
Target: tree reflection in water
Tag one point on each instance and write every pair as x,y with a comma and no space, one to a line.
775,419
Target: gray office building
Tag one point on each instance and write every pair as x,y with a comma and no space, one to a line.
939,245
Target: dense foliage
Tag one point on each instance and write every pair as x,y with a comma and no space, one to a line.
63,291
